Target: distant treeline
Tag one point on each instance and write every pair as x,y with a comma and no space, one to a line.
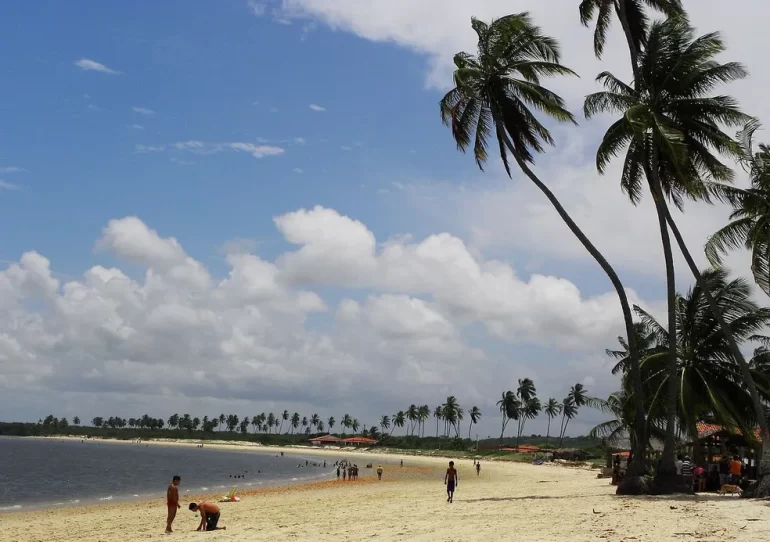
18,429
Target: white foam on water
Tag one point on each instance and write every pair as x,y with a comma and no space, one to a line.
14,507
106,498
204,488
75,501
136,495
294,479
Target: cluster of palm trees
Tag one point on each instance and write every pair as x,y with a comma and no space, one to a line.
670,131
414,418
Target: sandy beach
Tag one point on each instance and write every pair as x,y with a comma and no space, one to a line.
508,501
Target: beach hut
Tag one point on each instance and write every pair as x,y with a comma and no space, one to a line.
326,440
359,441
716,441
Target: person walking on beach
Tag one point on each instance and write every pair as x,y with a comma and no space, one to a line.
478,468
451,481
338,473
209,515
379,472
172,501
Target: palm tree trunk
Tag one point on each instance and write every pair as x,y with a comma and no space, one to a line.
470,426
437,420
763,488
637,465
666,474
547,432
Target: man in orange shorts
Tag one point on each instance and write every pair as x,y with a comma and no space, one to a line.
172,501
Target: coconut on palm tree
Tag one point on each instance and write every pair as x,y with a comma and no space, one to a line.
495,93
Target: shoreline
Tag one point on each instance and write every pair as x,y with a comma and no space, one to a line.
267,487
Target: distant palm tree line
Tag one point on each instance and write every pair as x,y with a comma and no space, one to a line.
520,406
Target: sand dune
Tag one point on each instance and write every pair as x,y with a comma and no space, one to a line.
508,501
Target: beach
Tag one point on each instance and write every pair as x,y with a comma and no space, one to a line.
508,501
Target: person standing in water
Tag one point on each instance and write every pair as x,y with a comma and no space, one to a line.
172,501
451,481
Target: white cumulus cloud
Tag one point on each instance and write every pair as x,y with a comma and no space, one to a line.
86,64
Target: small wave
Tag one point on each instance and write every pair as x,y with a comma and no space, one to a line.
136,495
106,498
75,501
204,488
294,479
14,507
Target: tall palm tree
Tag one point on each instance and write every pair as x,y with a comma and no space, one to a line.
509,410
423,414
331,421
222,420
552,409
529,405
271,421
398,420
494,91
320,427
438,414
295,420
451,413
385,423
635,24
346,422
284,418
411,415
314,420
670,125
475,415
576,398
354,425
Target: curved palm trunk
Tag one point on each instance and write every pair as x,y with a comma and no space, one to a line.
470,426
763,489
548,432
666,475
637,464
437,420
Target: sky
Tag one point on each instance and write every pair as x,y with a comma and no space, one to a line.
252,206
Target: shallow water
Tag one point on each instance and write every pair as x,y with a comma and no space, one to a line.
48,472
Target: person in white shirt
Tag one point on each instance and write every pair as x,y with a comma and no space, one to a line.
678,464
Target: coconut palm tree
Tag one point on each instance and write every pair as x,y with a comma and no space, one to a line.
222,420
509,410
354,425
295,421
749,225
438,414
315,420
529,405
398,420
494,92
669,126
708,378
451,412
552,409
385,423
346,422
423,414
320,427
412,416
271,421
284,418
475,415
331,421
576,398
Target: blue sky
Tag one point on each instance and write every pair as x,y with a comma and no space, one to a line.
209,121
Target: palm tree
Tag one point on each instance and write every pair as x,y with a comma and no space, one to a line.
509,410
411,415
331,421
494,91
354,425
304,422
669,125
295,419
398,420
315,419
438,414
284,418
552,409
708,378
529,405
423,414
76,421
222,420
320,426
347,421
271,421
575,399
384,423
475,415
451,413
750,220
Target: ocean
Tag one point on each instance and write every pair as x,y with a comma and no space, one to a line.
40,473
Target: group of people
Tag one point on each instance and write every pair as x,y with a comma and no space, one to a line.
729,471
209,512
349,471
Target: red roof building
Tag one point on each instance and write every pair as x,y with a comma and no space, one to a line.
359,441
325,440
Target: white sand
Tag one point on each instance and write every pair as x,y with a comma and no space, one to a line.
509,501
